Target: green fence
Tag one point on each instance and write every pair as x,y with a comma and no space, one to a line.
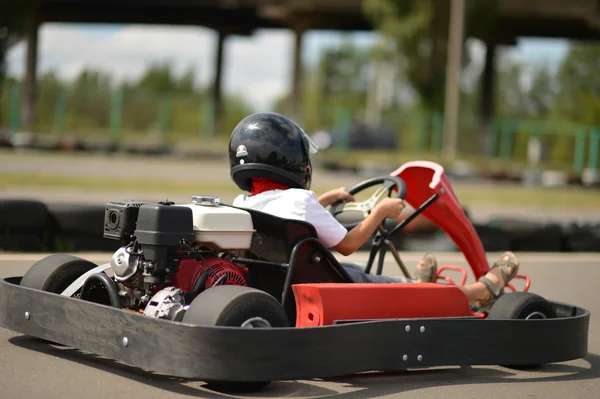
114,115
564,145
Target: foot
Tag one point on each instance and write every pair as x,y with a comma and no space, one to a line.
500,274
427,269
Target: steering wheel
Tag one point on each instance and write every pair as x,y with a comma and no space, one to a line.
381,242
366,207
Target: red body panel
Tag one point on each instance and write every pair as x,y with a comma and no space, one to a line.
322,304
424,179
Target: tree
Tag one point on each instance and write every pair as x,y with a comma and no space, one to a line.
418,32
160,78
13,15
50,88
578,80
340,79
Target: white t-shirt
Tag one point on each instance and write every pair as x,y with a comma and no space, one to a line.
296,204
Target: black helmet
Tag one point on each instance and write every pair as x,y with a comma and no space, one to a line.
272,146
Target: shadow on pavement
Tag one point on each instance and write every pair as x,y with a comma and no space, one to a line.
382,384
192,388
361,385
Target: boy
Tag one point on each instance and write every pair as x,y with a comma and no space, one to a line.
269,157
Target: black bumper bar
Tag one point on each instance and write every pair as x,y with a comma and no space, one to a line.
234,354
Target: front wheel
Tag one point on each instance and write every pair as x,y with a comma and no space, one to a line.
522,306
236,306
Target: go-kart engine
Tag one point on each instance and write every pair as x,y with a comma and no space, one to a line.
193,276
166,294
171,253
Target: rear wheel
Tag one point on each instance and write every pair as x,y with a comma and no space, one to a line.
523,306
236,306
55,273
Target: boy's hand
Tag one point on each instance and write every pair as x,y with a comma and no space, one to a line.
332,196
390,208
387,208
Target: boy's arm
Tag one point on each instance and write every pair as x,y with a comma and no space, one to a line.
360,234
388,208
332,196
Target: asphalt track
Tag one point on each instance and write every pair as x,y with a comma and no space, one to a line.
31,369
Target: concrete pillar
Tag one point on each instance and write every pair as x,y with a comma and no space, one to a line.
296,95
487,109
28,109
218,84
452,94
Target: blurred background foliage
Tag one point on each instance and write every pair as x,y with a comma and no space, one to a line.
395,86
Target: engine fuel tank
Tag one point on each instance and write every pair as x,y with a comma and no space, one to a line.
218,226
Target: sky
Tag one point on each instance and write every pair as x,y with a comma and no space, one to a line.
257,67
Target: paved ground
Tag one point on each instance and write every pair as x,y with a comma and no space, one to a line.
30,369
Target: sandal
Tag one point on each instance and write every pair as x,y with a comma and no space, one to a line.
509,267
428,273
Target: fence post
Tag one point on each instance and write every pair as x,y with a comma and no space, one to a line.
534,144
593,154
343,121
506,144
116,114
422,133
163,117
493,143
14,109
579,155
61,109
438,133
209,125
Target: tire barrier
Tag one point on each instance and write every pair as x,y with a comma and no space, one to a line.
546,238
582,238
33,226
492,238
80,227
24,225
529,236
5,142
25,142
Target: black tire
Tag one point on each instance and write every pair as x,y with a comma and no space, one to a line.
231,305
55,273
521,305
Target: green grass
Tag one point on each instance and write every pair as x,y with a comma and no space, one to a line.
542,198
567,197
99,184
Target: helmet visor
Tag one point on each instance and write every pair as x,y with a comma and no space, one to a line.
309,145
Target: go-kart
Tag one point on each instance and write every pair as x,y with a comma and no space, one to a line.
239,298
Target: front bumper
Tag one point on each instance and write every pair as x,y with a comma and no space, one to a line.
235,354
